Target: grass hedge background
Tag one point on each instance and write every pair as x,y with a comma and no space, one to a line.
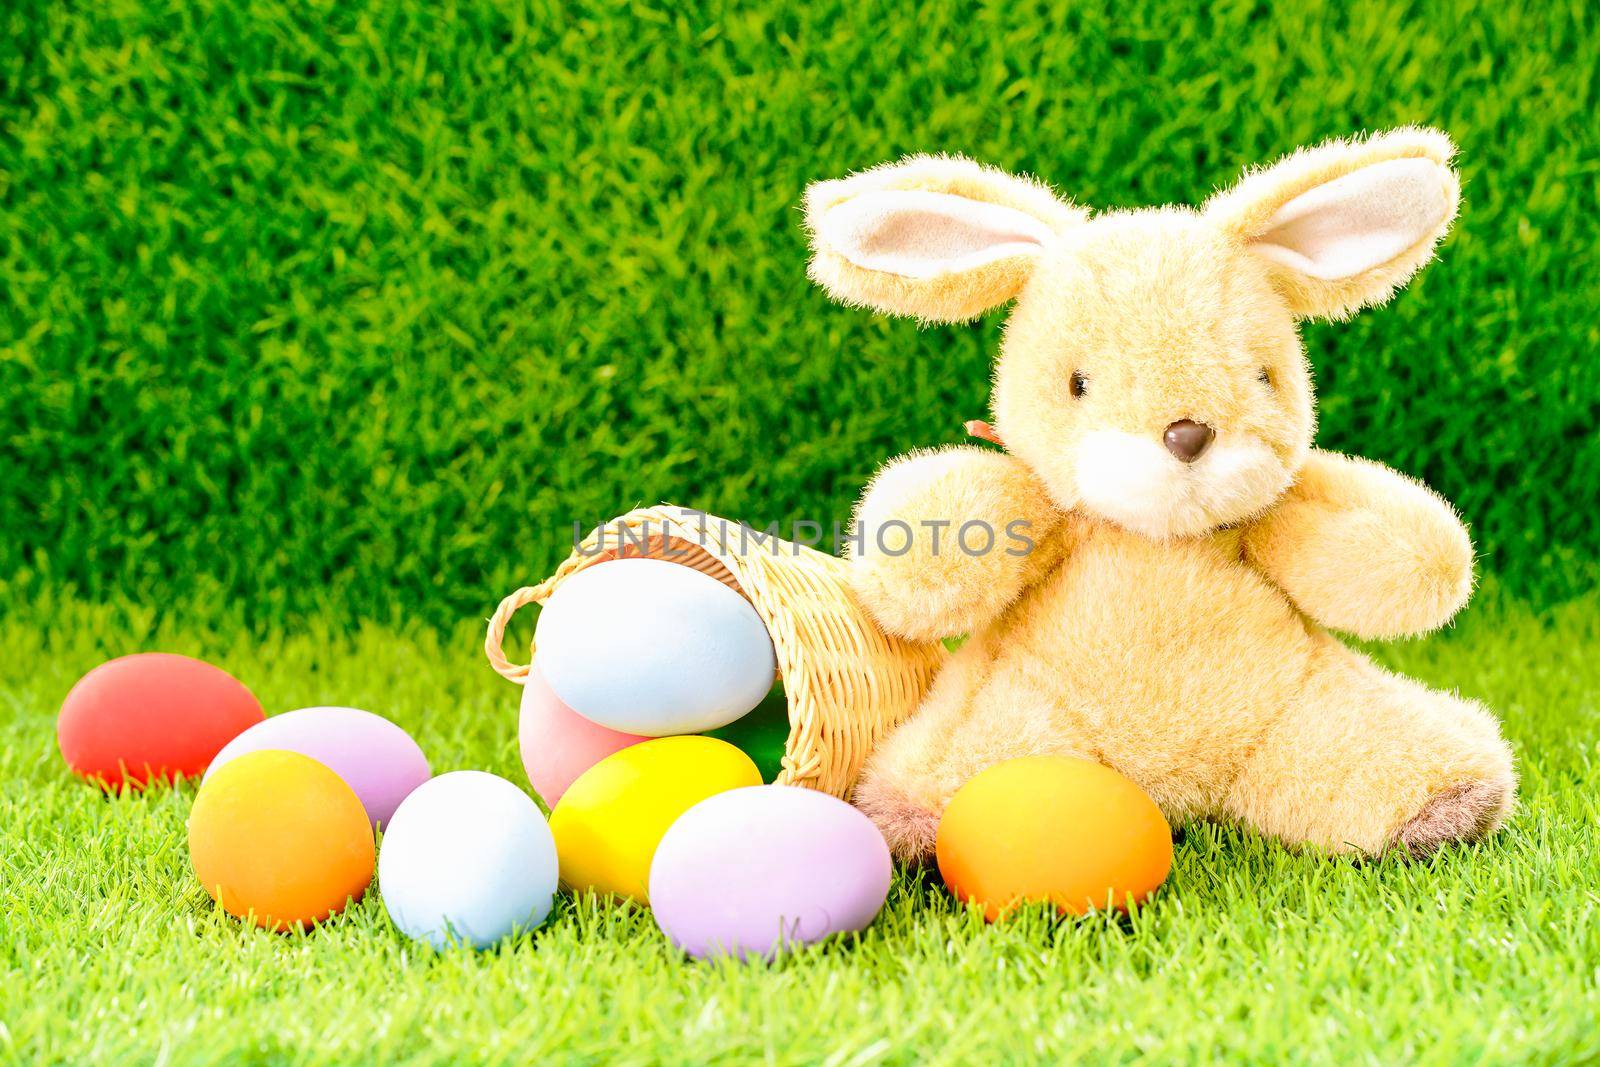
357,305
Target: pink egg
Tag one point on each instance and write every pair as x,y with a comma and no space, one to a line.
558,744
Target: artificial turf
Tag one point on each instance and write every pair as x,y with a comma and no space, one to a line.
358,304
111,953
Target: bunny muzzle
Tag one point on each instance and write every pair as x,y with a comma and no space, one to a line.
1184,482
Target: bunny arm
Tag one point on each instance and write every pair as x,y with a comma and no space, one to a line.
922,562
1364,549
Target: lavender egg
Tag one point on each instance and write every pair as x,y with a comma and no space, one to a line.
753,871
375,757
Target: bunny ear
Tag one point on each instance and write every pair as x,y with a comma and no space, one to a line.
938,238
1345,224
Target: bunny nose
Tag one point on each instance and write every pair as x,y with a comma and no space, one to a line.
1186,439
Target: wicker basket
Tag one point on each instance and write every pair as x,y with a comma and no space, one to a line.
847,682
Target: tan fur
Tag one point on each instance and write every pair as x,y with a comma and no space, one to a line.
914,595
1170,621
1391,559
1245,209
954,297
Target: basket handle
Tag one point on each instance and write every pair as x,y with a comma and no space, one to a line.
592,550
494,642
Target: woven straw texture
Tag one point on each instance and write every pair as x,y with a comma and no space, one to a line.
846,681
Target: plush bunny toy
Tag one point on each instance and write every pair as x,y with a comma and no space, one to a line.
1190,549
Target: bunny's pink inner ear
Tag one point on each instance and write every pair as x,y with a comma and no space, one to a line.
919,234
1360,221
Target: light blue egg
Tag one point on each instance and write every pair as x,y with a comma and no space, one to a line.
468,857
646,646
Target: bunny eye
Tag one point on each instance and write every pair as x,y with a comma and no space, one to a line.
1264,376
1078,383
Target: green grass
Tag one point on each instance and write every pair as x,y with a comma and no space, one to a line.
110,951
316,312
357,304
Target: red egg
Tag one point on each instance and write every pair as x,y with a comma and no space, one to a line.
152,716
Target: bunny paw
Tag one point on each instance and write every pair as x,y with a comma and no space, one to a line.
1464,813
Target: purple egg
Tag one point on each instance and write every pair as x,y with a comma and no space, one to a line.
375,757
752,871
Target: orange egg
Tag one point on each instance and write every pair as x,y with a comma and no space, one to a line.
278,838
1050,828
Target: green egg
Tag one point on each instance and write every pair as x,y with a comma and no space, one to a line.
762,733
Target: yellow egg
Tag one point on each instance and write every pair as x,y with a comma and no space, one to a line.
1068,831
609,821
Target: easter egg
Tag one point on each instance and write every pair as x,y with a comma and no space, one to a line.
374,756
609,822
280,839
557,743
151,716
469,857
644,646
1050,828
763,734
752,871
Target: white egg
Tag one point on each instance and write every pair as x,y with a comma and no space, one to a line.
650,647
468,857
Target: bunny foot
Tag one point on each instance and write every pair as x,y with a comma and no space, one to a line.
911,828
1464,813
